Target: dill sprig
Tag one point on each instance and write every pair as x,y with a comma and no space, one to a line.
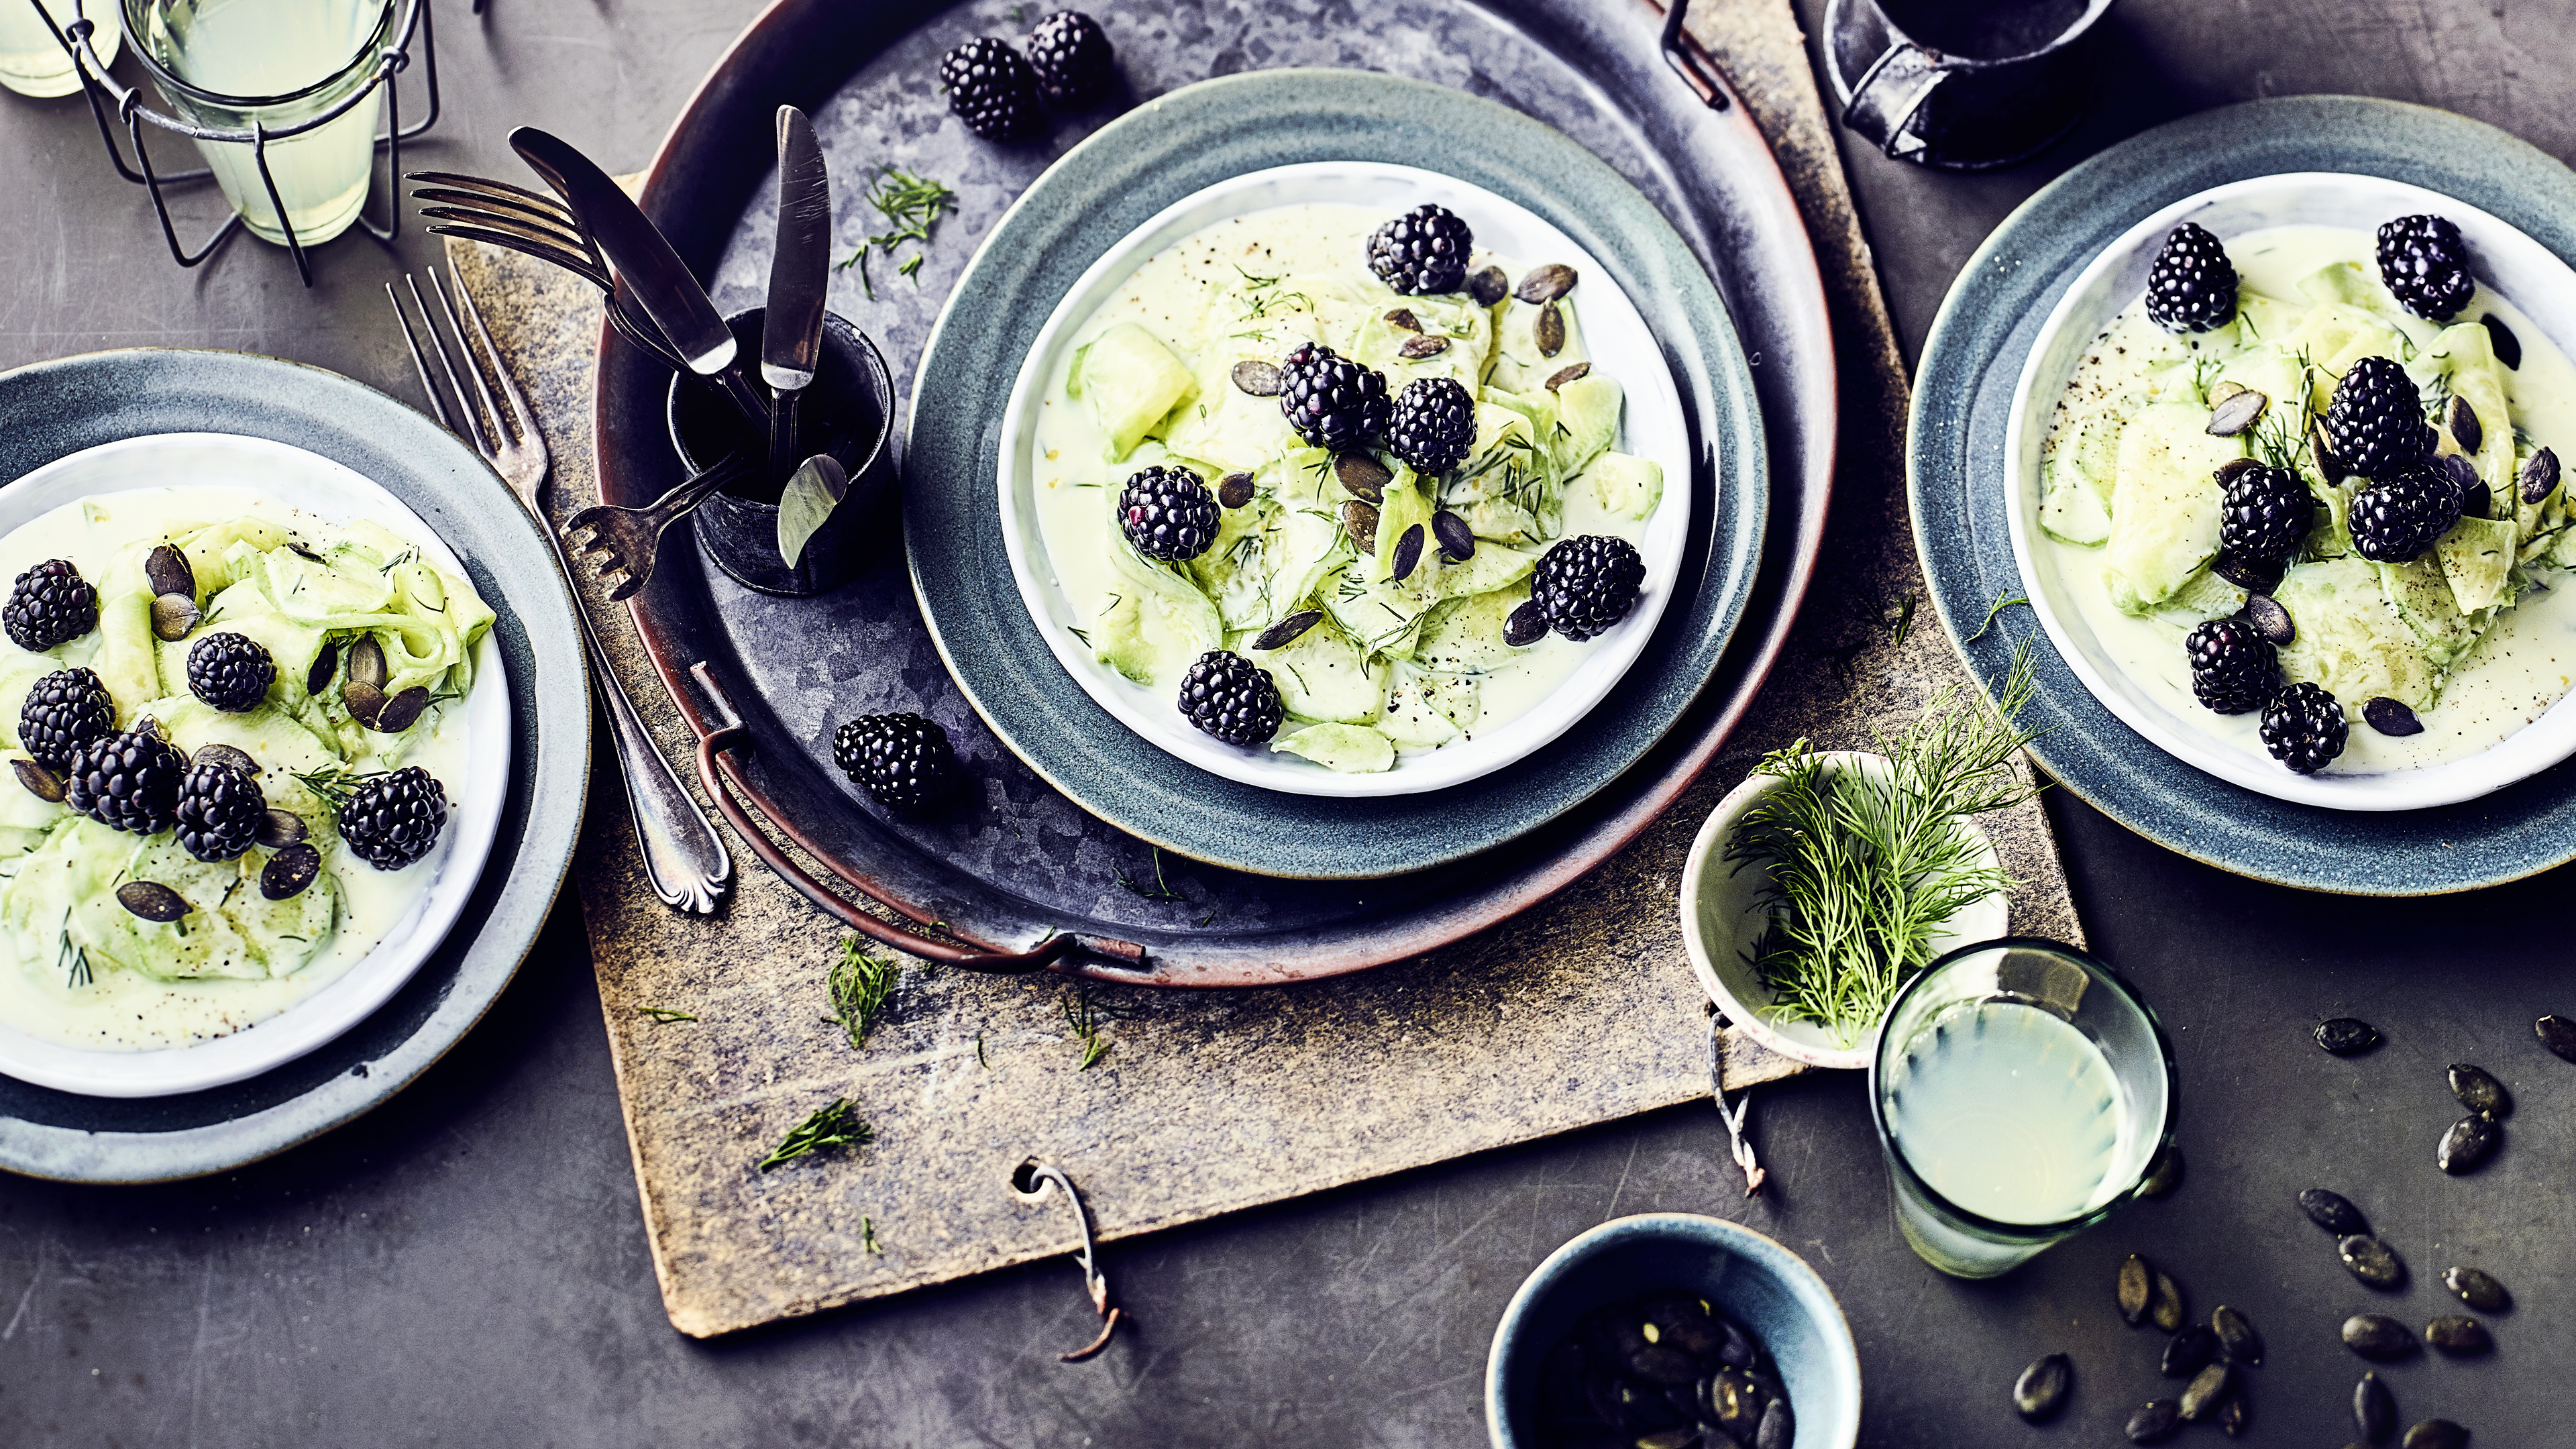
1161,891
1083,1015
912,205
868,1237
858,985
835,1125
334,784
1861,870
73,962
663,1014
1995,611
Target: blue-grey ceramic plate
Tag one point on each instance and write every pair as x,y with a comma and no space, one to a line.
1956,477
56,408
1107,187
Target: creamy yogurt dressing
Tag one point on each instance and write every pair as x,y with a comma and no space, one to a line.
1166,296
127,1010
2522,665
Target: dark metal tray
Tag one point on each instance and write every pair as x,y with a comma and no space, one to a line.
1023,878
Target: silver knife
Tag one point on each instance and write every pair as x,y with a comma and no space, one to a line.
791,338
645,261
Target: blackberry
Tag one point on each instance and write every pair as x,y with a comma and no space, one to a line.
1423,251
992,90
2398,517
64,711
51,606
1584,585
2304,728
2192,286
2264,513
127,781
1168,513
2233,669
903,760
232,672
392,820
1433,422
1071,55
220,811
1332,402
2375,424
1231,698
2425,262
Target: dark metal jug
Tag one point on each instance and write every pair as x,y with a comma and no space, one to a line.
1964,85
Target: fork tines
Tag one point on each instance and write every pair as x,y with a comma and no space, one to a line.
501,429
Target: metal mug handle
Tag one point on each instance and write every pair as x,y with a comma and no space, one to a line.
1894,88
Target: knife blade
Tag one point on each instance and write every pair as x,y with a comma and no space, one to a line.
641,254
800,266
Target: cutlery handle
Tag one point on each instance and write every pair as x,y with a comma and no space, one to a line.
782,433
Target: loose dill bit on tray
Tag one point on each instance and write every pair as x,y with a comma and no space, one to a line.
858,985
834,1125
868,1237
1161,890
1901,621
979,1052
1861,871
663,1014
1083,1015
911,205
1995,610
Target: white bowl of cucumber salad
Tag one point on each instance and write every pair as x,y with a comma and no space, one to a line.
240,955
1394,676
2450,664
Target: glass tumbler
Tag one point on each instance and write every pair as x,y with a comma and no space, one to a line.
32,61
229,64
2021,1092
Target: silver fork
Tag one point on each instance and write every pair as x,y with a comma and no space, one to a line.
684,858
534,224
625,543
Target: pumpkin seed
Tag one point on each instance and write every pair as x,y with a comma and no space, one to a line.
401,711
1402,318
2559,1035
1660,1364
364,701
2478,1289
1256,378
2471,1141
2155,1422
2474,493
1545,284
173,615
2371,1260
289,871
2165,1175
2232,1415
2041,1389
2435,1434
2187,1352
2458,1335
1489,286
2137,1289
1359,520
1288,630
2331,1212
2328,466
325,664
2167,1310
1457,540
2253,575
2377,1337
279,829
2228,471
1363,476
1234,490
1550,331
169,572
1408,553
42,783
226,756
1525,625
2480,1092
2208,1390
2237,413
2271,620
1564,375
2508,348
2347,1036
1779,1427
367,662
2236,1336
2463,422
2374,1410
152,900
1417,348
2391,717
2539,476
1735,1403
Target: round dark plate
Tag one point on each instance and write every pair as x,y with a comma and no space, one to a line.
57,408
1016,859
1955,469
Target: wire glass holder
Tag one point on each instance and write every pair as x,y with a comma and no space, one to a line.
127,101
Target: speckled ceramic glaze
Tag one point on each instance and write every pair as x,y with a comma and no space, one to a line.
1960,492
1107,187
1763,1286
53,409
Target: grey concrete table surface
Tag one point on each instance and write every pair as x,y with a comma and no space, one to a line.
467,1264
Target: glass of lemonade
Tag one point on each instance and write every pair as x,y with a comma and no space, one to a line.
225,64
32,61
2021,1093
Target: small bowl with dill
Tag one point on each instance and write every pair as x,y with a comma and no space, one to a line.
1826,879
